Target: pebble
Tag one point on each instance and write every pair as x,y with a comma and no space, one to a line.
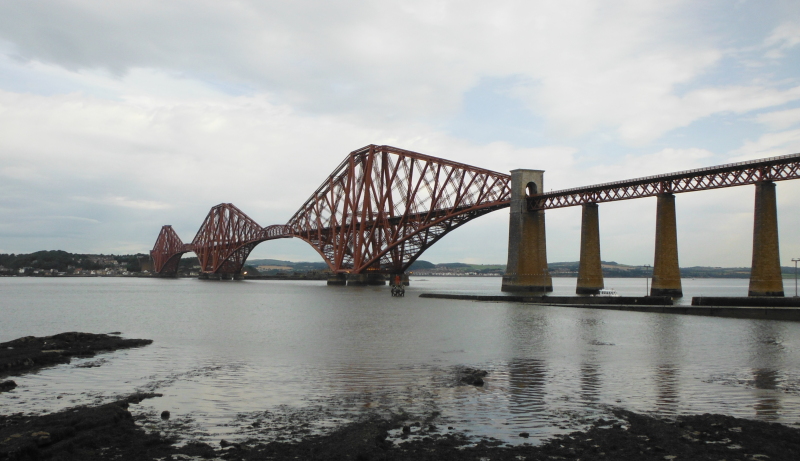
165,414
524,435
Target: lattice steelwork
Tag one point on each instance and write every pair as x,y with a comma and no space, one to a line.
383,206
167,252
730,175
379,210
226,238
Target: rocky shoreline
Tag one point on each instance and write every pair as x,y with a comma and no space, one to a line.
110,431
30,353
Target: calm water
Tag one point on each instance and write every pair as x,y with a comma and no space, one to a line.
301,354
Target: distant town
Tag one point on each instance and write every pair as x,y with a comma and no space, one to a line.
63,264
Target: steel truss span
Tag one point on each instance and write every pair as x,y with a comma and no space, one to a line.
378,211
716,177
382,207
167,252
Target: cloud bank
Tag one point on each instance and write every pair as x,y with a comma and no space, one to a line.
118,118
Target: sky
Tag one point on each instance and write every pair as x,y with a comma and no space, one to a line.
119,117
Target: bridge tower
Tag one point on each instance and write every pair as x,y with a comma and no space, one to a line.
590,270
666,270
527,243
765,275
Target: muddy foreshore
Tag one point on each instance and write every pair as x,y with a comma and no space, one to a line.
109,431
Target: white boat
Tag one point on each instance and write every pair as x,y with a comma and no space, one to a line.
608,292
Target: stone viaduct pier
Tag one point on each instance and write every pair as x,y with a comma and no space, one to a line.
527,254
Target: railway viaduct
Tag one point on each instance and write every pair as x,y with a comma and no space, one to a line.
382,207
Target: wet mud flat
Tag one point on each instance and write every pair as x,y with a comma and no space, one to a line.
110,431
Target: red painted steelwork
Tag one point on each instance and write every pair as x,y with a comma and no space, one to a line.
227,237
167,252
378,211
730,175
382,207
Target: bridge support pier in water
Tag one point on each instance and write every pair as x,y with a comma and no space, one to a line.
666,271
527,246
765,273
357,280
400,279
365,278
590,271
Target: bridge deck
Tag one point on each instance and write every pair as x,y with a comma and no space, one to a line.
715,177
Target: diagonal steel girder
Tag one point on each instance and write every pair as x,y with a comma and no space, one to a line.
382,207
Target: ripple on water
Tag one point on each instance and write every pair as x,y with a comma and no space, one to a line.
301,358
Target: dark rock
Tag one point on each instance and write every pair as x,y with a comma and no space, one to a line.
165,414
74,434
406,429
7,385
471,376
27,354
524,435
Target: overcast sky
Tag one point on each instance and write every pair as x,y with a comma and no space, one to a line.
119,117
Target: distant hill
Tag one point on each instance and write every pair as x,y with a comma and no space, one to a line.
455,265
65,261
420,264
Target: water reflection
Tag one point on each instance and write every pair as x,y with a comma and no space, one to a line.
667,377
591,336
767,356
590,382
768,405
527,375
666,330
527,379
281,345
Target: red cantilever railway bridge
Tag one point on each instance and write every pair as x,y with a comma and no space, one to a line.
382,207
378,211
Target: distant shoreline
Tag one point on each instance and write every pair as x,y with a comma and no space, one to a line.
318,278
